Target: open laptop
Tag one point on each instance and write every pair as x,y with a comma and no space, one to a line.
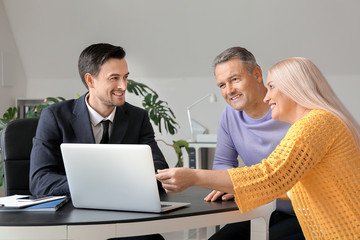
113,177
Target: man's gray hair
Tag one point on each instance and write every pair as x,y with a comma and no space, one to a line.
246,57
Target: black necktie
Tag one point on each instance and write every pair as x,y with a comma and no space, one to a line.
105,135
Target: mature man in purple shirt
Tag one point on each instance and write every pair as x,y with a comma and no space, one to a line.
247,130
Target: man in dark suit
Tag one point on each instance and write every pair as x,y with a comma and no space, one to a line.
103,70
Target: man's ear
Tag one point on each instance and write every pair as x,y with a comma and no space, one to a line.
257,73
89,80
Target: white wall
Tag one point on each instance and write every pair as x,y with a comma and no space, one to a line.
171,44
12,75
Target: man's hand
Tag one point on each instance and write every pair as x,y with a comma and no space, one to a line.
214,195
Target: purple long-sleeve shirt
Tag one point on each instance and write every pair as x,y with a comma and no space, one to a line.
252,139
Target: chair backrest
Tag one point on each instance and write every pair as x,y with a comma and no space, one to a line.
16,145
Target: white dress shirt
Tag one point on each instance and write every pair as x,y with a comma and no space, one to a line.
96,118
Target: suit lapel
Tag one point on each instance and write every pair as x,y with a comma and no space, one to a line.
120,125
81,122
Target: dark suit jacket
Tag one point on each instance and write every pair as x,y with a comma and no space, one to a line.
69,122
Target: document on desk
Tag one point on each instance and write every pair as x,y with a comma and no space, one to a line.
23,201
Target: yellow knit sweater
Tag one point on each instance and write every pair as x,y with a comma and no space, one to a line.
318,162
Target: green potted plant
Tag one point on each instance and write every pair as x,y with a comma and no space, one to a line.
160,114
159,111
178,146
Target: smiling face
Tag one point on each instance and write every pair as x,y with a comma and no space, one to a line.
242,91
107,89
282,107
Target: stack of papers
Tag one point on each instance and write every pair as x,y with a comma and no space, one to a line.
27,203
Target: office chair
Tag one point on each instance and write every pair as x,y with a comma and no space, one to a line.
16,145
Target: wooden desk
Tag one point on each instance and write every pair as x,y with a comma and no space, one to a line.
72,223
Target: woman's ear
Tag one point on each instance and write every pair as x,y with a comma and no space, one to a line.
89,80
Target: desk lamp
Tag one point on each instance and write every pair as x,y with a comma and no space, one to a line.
212,99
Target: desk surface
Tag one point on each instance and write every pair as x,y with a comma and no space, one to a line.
80,224
68,215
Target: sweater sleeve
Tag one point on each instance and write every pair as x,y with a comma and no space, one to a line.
303,147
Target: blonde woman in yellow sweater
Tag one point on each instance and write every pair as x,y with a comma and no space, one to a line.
317,163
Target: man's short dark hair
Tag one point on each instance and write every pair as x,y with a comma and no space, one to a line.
94,56
246,57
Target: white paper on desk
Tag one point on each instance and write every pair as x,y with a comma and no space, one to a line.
13,202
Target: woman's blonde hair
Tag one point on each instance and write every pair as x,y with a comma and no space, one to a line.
302,81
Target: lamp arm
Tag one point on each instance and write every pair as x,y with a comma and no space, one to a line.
199,100
190,124
189,116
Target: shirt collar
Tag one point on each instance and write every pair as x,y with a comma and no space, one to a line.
95,117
